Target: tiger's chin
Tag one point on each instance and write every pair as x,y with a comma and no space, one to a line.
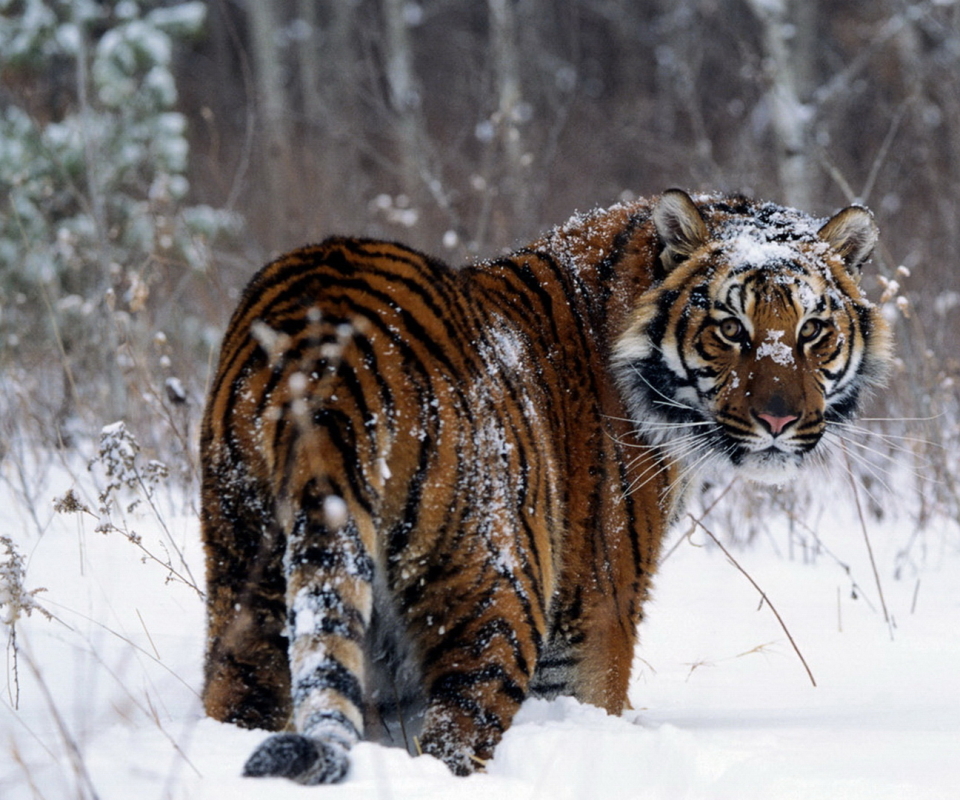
772,466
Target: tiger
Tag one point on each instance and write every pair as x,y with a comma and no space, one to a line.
429,493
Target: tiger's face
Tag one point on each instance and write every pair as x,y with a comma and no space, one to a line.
757,338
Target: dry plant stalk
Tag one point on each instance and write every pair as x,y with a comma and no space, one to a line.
763,595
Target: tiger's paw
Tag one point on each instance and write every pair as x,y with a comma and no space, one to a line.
460,760
299,758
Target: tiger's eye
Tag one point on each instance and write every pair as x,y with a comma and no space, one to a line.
732,329
811,329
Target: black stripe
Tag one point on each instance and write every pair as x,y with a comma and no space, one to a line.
631,512
606,269
322,719
343,438
436,277
330,675
336,617
398,538
454,638
451,687
368,355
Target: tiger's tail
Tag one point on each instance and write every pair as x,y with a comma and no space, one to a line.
329,572
328,567
329,594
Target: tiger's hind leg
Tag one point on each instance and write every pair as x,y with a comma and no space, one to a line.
247,677
477,667
329,602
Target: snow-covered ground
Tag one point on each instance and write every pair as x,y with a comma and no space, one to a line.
723,708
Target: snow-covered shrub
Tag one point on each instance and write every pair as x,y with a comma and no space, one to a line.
16,602
95,225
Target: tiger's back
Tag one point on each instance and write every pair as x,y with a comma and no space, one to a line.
430,485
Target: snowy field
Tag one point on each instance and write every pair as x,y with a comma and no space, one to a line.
107,706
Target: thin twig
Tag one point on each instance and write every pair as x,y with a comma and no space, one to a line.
866,538
707,510
148,494
122,638
149,637
822,547
85,786
882,153
763,594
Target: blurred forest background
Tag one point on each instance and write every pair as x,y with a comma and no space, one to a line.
154,154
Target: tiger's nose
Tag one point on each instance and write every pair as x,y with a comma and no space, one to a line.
777,424
777,413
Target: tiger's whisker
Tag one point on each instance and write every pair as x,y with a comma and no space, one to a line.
695,438
886,437
877,451
624,442
681,478
670,402
875,469
876,473
657,424
931,418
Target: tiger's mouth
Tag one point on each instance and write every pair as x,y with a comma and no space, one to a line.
771,465
765,452
770,460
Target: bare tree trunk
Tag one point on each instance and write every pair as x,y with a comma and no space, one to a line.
309,61
116,400
679,59
511,111
405,100
787,34
274,107
334,117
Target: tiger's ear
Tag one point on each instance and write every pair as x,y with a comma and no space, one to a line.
680,226
853,234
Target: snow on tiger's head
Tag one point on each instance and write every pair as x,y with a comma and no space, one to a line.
756,338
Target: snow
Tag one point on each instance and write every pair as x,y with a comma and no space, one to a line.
722,706
773,348
751,248
335,510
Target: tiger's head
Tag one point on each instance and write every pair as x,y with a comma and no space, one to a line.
757,336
